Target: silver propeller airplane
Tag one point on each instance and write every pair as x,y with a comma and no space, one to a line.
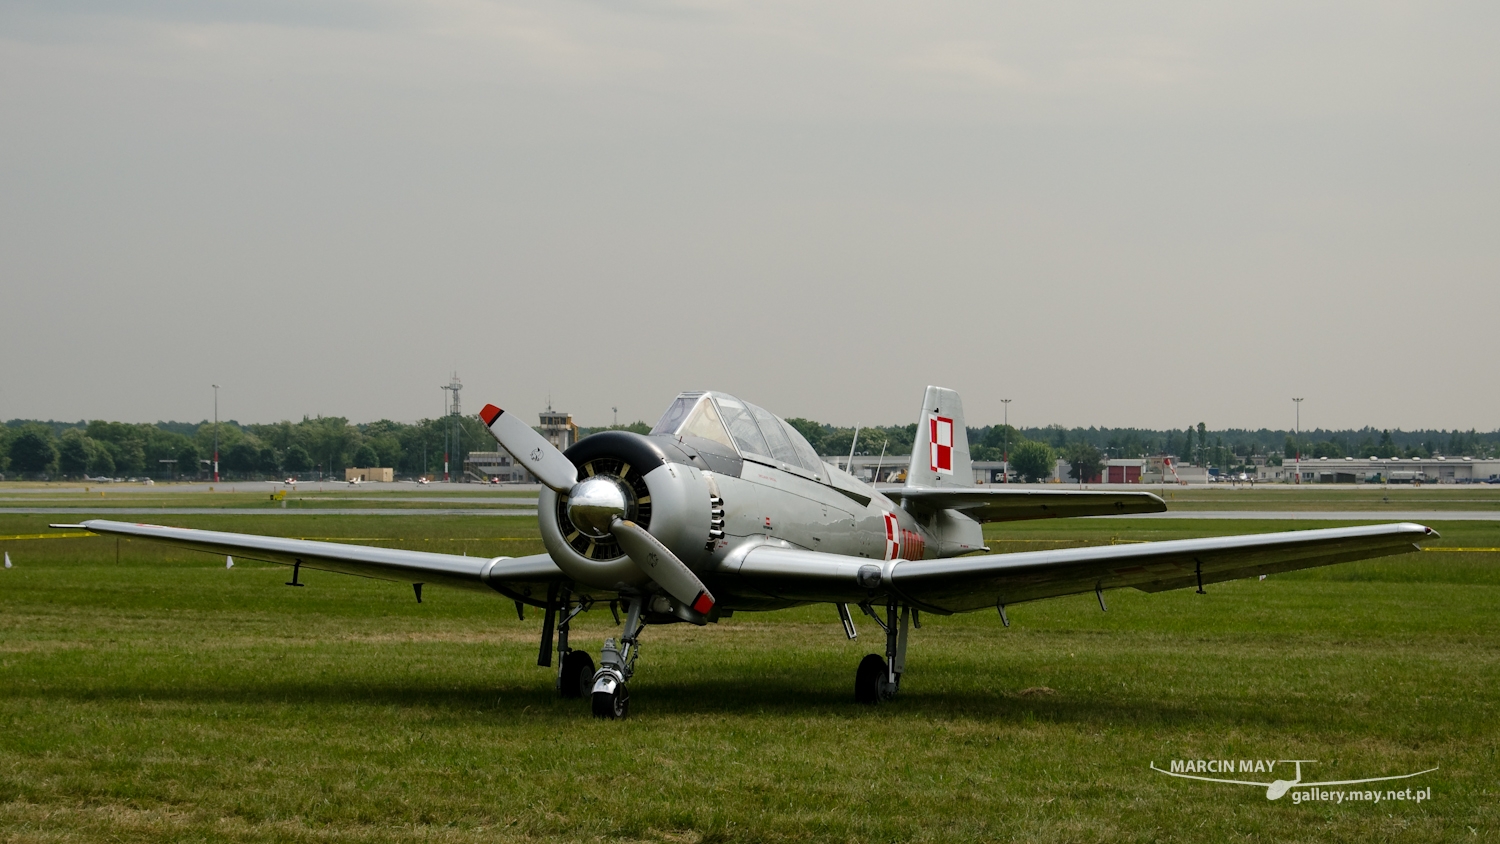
725,508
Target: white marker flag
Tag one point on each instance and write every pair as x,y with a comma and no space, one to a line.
7,559
228,562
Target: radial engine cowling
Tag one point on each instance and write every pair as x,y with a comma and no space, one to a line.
633,477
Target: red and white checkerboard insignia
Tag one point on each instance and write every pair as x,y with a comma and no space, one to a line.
940,432
892,536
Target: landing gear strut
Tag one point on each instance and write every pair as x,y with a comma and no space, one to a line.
575,669
879,679
611,698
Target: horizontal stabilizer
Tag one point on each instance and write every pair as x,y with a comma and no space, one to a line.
1014,504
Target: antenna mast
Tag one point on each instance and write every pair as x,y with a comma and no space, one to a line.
455,413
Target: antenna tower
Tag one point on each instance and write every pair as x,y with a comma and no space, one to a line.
453,386
455,413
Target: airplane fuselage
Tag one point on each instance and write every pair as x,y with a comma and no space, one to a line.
711,507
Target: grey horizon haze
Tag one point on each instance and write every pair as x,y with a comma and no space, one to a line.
1146,214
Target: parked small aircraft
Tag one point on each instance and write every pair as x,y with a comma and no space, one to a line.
726,508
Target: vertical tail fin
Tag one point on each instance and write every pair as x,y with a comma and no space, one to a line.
940,455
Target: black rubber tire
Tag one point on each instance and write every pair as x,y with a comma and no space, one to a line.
612,707
868,678
576,677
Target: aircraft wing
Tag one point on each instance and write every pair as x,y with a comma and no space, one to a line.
516,577
1010,504
963,584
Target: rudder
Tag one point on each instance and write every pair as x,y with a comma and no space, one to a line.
940,455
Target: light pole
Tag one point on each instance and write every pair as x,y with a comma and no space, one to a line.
216,433
1298,464
617,416
1005,473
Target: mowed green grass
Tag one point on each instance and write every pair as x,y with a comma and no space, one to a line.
163,697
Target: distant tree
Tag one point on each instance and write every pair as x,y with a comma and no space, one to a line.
130,457
187,458
296,460
1084,461
102,462
1328,448
32,451
242,458
266,459
838,442
1057,435
1387,447
74,450
366,458
812,431
995,436
1033,461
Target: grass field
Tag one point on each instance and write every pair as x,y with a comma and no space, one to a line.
163,697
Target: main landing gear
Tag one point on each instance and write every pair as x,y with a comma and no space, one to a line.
575,669
879,679
576,675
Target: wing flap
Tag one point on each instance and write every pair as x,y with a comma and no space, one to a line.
504,574
1011,504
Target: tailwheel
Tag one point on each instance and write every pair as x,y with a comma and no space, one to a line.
613,704
576,675
870,680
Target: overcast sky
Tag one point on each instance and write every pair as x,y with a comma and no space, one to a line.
1147,214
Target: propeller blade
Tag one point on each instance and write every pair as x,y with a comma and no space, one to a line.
662,566
530,448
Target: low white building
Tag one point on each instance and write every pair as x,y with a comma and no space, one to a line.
1359,470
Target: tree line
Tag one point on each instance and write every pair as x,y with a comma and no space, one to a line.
316,446
325,446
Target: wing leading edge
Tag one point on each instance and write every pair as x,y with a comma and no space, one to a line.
971,583
1008,504
512,576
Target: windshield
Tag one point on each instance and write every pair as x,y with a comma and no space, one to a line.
679,410
704,422
694,415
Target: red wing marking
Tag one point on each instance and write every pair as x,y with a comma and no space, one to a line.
703,603
490,414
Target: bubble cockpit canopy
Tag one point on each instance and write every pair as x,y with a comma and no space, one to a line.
751,432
